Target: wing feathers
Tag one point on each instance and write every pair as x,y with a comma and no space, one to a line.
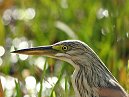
108,92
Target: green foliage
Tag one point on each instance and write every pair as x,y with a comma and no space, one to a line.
18,89
41,82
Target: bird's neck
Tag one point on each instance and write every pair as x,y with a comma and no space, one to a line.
91,74
81,84
88,76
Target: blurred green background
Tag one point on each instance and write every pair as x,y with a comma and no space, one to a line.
103,25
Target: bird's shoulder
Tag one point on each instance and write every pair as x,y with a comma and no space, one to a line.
113,89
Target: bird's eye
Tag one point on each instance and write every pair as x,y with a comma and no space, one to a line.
65,48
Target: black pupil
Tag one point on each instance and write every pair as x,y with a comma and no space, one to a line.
65,48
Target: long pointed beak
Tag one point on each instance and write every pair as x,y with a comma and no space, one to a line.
44,50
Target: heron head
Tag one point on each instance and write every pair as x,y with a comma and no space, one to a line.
67,50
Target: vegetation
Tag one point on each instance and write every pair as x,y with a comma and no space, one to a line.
103,25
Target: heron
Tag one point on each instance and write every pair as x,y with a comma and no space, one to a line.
91,77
